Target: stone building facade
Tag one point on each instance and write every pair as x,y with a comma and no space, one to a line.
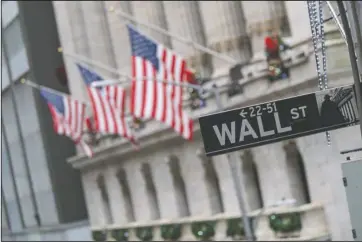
170,180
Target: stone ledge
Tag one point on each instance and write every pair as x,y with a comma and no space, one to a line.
227,45
312,215
267,25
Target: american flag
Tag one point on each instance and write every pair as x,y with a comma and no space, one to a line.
68,117
151,99
108,105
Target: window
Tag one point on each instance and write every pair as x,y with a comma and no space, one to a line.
15,49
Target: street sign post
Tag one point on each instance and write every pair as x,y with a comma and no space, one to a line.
274,121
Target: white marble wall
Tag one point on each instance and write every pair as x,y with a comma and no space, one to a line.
271,165
151,12
73,38
183,18
260,17
99,36
322,164
119,33
223,21
88,29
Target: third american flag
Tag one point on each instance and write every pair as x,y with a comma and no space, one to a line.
151,99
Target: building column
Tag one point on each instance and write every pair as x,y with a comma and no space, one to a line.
225,30
165,190
99,37
230,200
151,12
262,18
184,20
119,34
115,196
248,183
192,171
93,198
276,182
297,12
143,210
250,178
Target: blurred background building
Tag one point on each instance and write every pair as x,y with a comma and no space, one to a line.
42,196
132,194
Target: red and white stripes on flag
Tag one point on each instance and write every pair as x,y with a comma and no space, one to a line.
152,99
68,117
108,105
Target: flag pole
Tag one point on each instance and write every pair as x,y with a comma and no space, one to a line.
237,179
51,90
127,77
167,33
99,84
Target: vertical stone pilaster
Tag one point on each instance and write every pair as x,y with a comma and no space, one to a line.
297,13
98,33
78,28
250,178
262,18
248,183
151,12
230,200
143,210
194,180
93,198
183,19
225,30
119,34
115,196
165,190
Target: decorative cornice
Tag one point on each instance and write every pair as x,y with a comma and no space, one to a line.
227,45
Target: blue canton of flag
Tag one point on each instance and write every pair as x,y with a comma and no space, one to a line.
55,100
143,47
68,117
89,76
